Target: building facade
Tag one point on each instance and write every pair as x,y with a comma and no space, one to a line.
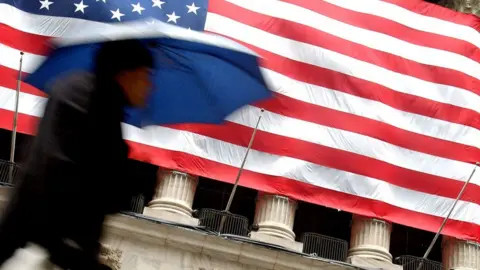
166,236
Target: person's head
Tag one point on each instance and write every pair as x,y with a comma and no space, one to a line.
130,64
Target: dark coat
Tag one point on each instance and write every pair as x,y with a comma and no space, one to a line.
77,172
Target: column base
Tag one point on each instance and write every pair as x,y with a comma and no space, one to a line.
276,230
168,205
370,252
170,216
286,243
366,262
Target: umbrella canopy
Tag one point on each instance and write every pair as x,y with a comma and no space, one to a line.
199,77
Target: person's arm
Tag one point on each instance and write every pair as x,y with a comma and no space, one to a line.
59,145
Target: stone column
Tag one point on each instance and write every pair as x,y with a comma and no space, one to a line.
370,239
274,218
174,197
459,254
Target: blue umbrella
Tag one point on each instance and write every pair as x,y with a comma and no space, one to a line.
199,77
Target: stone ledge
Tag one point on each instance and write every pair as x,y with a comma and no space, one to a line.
213,245
373,263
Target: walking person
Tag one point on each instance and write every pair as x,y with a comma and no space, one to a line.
77,170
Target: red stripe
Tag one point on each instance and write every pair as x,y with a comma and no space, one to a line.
346,121
365,89
391,28
302,191
26,123
9,77
310,152
23,41
439,12
309,35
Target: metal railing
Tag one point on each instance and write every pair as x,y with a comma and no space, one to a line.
325,246
412,263
8,172
233,224
137,204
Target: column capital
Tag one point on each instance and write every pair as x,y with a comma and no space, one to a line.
460,254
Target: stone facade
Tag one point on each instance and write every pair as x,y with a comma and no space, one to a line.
146,245
111,257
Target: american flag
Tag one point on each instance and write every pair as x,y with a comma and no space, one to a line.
377,106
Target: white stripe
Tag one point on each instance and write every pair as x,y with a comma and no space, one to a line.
412,19
42,25
340,101
141,30
353,143
317,134
321,57
372,39
28,104
230,154
10,57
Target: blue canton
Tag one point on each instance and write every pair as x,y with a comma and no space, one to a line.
185,13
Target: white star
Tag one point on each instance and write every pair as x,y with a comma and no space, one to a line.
117,14
137,8
192,8
172,17
104,1
80,7
45,4
157,3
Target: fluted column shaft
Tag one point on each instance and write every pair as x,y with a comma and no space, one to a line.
275,215
370,238
175,192
459,254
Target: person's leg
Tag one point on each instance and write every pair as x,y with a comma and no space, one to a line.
80,247
13,227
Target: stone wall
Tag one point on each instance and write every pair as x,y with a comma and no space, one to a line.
141,244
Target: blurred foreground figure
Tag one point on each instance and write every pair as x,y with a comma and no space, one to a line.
77,172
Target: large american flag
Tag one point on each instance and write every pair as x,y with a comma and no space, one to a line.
377,111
